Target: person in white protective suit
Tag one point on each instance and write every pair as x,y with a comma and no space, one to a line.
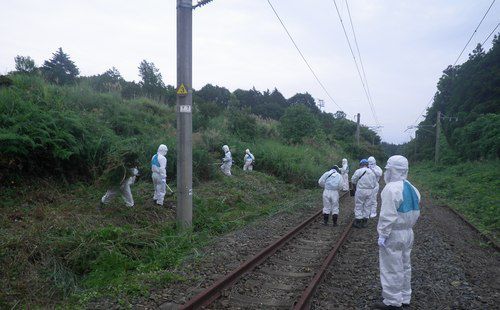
331,181
398,214
227,161
365,182
248,161
345,174
372,164
129,176
159,174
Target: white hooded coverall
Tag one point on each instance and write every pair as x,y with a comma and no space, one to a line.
331,181
227,161
372,164
159,174
345,175
124,188
365,181
398,213
248,159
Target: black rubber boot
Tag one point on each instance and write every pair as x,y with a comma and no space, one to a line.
364,224
325,218
334,219
357,223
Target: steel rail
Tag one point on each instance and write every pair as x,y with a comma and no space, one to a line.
306,296
485,237
213,292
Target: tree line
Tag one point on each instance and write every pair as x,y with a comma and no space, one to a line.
468,97
299,116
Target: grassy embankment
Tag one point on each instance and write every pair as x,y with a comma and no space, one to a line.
471,188
56,249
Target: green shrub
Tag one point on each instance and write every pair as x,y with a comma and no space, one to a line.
298,123
72,131
242,124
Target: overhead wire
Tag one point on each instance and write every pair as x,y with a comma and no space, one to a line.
460,55
475,30
357,48
490,34
372,108
303,57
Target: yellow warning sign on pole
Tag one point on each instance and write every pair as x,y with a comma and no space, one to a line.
181,91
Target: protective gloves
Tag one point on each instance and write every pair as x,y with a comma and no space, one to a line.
381,241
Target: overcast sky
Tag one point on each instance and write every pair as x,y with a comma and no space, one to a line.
405,45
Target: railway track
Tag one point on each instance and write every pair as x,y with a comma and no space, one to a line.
286,273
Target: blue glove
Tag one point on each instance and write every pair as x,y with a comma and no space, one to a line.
381,241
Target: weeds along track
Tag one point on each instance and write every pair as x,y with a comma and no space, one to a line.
484,236
286,273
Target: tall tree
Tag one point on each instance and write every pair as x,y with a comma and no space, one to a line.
339,115
60,69
25,64
216,94
305,99
152,82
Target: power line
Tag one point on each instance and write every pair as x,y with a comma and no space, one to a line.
303,57
493,2
357,48
421,113
490,34
356,63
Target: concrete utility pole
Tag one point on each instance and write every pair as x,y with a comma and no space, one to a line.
438,128
415,149
357,129
184,115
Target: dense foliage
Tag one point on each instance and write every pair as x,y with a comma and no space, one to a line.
468,96
469,187
84,130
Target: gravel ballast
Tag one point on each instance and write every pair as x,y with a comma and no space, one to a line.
451,267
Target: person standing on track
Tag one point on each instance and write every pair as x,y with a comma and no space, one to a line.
398,214
331,181
372,164
248,161
345,174
365,182
227,161
159,174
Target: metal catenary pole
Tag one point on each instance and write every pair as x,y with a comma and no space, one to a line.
184,115
438,128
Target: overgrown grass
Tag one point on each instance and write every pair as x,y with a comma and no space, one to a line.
471,188
56,249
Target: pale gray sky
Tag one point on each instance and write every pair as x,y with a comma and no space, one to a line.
405,45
